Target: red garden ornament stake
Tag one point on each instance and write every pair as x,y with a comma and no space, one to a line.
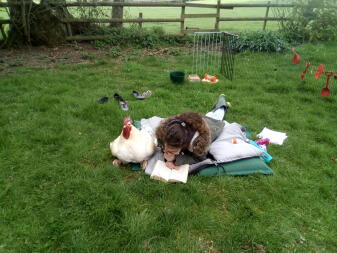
326,91
296,58
305,71
319,71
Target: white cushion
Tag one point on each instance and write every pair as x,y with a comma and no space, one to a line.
224,150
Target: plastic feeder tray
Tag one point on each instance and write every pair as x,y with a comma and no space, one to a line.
177,77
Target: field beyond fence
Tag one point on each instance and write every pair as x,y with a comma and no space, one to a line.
178,17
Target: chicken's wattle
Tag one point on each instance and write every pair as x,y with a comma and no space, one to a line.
126,132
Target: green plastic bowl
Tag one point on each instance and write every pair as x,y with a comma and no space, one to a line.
177,77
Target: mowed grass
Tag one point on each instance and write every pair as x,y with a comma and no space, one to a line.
60,193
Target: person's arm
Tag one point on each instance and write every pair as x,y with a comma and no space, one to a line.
188,158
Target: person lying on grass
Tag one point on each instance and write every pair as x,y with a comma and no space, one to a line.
185,138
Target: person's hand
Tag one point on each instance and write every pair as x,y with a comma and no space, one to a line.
172,166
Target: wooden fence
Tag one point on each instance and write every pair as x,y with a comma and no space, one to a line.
140,20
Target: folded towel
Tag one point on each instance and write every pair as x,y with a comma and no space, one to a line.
275,137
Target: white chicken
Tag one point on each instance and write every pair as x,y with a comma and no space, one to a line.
132,145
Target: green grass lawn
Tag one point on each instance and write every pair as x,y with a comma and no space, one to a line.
60,193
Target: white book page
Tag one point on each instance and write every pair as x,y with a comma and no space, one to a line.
161,171
179,175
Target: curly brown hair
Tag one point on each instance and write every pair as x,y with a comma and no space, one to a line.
174,131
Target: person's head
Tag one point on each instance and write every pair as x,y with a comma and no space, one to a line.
176,136
176,133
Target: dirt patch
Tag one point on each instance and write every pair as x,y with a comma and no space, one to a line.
46,57
73,54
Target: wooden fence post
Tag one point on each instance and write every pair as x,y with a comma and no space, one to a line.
182,23
69,30
117,12
140,17
217,16
266,16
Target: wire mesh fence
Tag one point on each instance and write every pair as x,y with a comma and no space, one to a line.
213,54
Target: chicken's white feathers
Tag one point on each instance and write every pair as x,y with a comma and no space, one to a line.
138,147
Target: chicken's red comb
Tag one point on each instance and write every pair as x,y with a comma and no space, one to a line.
127,120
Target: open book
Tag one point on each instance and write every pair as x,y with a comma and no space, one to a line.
163,173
